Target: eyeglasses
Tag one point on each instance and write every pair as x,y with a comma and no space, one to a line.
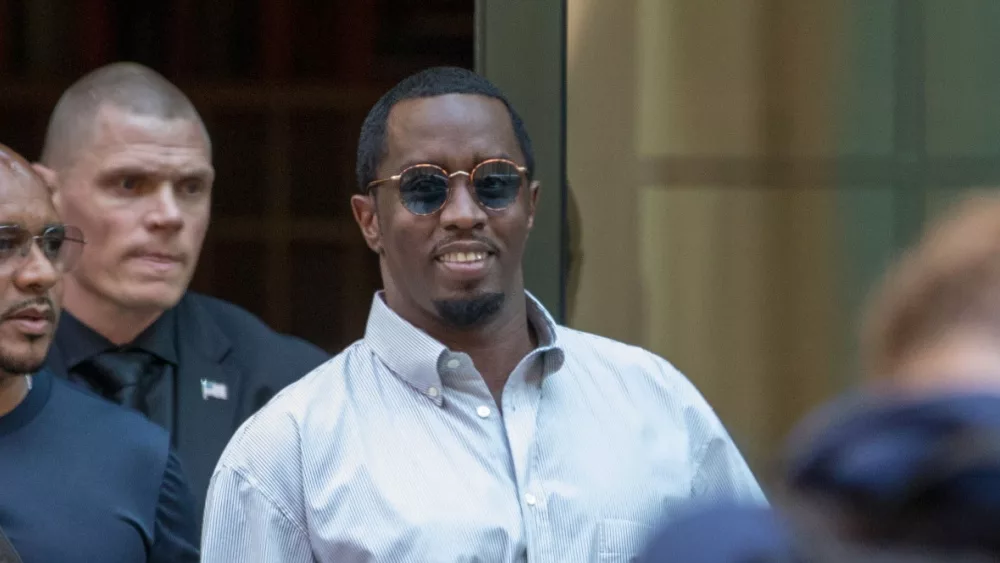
424,188
61,244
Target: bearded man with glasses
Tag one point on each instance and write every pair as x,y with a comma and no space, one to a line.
466,425
83,479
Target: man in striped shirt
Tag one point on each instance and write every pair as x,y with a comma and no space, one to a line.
466,425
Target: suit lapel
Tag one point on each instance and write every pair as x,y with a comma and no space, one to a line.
205,421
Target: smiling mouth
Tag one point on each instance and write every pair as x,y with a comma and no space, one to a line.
463,257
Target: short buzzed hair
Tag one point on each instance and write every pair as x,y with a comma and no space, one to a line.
949,281
435,81
128,86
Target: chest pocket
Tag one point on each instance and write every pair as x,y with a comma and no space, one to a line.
622,541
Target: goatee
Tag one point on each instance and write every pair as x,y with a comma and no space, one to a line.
472,312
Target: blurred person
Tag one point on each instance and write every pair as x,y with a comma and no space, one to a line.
129,161
466,425
83,480
871,477
935,320
916,459
911,462
916,471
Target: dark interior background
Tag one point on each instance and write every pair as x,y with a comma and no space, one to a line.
283,86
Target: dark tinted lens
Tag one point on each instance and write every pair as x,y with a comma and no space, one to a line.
497,184
52,241
62,245
423,189
12,239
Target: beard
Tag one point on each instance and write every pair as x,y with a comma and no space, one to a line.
472,312
17,366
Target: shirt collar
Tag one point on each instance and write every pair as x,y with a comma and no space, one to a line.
79,342
417,358
33,403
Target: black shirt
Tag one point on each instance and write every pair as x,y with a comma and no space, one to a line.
86,480
79,343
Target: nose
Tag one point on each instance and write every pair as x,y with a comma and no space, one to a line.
36,274
166,212
462,211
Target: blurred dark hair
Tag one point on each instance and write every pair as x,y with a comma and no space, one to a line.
823,534
921,473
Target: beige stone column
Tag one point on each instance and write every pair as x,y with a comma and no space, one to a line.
696,131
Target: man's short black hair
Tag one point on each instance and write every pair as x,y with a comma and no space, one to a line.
436,81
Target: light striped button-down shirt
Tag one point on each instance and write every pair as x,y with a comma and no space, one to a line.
395,451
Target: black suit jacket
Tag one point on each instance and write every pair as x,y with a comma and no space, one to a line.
221,344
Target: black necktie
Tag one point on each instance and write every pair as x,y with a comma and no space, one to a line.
124,376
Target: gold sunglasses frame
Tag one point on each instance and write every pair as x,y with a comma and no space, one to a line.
523,171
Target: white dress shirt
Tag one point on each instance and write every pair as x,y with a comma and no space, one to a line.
395,450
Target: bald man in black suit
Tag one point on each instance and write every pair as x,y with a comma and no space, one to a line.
129,161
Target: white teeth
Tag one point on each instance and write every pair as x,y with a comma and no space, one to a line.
463,257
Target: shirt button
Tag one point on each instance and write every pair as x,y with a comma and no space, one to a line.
530,499
453,363
433,391
483,411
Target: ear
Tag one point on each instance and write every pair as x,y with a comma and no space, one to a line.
533,190
366,214
51,180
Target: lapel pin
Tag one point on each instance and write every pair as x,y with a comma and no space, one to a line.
213,390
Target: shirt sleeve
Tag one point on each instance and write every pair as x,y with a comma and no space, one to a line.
176,539
721,474
243,524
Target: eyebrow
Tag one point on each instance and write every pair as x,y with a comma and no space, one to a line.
44,228
199,172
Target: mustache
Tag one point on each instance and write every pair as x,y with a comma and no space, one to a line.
42,302
474,238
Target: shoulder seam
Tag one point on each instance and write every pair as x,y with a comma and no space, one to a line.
249,480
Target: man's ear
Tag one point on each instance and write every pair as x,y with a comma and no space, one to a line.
366,214
51,179
533,190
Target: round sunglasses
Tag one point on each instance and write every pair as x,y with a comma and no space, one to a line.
424,189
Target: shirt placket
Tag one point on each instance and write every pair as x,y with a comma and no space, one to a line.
520,404
471,395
